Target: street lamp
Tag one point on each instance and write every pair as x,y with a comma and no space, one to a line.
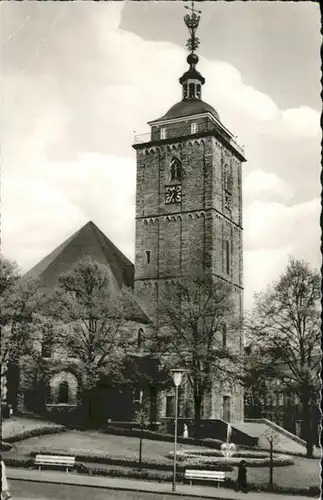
177,378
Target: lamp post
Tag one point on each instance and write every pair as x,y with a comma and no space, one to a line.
177,378
141,422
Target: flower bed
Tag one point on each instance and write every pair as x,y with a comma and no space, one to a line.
213,458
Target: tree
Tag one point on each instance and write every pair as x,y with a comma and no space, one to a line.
9,274
194,318
272,437
21,301
285,323
142,419
93,319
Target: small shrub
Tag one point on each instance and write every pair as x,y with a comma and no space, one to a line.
5,446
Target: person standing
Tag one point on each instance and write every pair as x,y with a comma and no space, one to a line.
5,493
242,477
185,432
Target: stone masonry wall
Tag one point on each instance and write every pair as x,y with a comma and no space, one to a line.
189,237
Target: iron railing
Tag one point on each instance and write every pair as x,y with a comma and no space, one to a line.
172,133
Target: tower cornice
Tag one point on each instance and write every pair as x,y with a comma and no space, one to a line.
228,142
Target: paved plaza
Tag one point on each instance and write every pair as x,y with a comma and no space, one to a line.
51,485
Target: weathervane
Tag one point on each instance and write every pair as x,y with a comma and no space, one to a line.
192,21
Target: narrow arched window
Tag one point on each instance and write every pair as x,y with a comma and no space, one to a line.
198,90
224,336
184,90
228,181
227,257
175,169
140,338
63,392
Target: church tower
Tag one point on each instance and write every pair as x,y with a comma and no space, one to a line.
189,200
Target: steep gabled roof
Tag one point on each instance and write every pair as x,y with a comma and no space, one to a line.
87,241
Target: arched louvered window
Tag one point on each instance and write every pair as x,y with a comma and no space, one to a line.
175,169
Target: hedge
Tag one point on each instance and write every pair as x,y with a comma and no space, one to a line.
134,473
41,431
24,462
158,436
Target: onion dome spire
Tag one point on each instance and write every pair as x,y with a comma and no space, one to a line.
192,80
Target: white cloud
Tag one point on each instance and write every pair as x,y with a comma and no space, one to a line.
302,122
51,200
261,268
265,186
274,225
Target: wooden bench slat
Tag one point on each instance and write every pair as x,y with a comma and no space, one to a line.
58,460
55,459
218,476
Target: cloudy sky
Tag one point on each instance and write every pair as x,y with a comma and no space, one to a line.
78,78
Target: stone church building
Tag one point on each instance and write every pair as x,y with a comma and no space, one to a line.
188,223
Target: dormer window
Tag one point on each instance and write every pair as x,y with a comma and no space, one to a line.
175,169
163,133
194,128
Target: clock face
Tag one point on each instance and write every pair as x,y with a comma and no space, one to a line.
173,194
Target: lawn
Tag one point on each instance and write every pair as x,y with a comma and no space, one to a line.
303,474
17,425
82,442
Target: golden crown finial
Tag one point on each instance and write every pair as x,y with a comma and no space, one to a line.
192,21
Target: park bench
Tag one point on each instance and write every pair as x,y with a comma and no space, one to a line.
208,475
55,460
